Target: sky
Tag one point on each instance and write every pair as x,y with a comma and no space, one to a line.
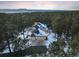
45,5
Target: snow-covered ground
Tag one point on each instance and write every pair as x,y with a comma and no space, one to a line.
38,29
6,50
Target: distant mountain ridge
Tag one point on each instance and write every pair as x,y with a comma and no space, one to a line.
24,10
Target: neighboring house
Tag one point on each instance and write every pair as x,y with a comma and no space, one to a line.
37,34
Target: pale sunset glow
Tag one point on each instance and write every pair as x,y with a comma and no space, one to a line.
47,5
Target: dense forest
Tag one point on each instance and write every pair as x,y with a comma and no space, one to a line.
63,23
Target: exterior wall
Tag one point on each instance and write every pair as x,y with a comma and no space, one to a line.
37,41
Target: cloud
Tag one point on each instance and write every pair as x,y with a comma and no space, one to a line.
53,5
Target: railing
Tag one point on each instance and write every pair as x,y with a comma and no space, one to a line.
37,37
